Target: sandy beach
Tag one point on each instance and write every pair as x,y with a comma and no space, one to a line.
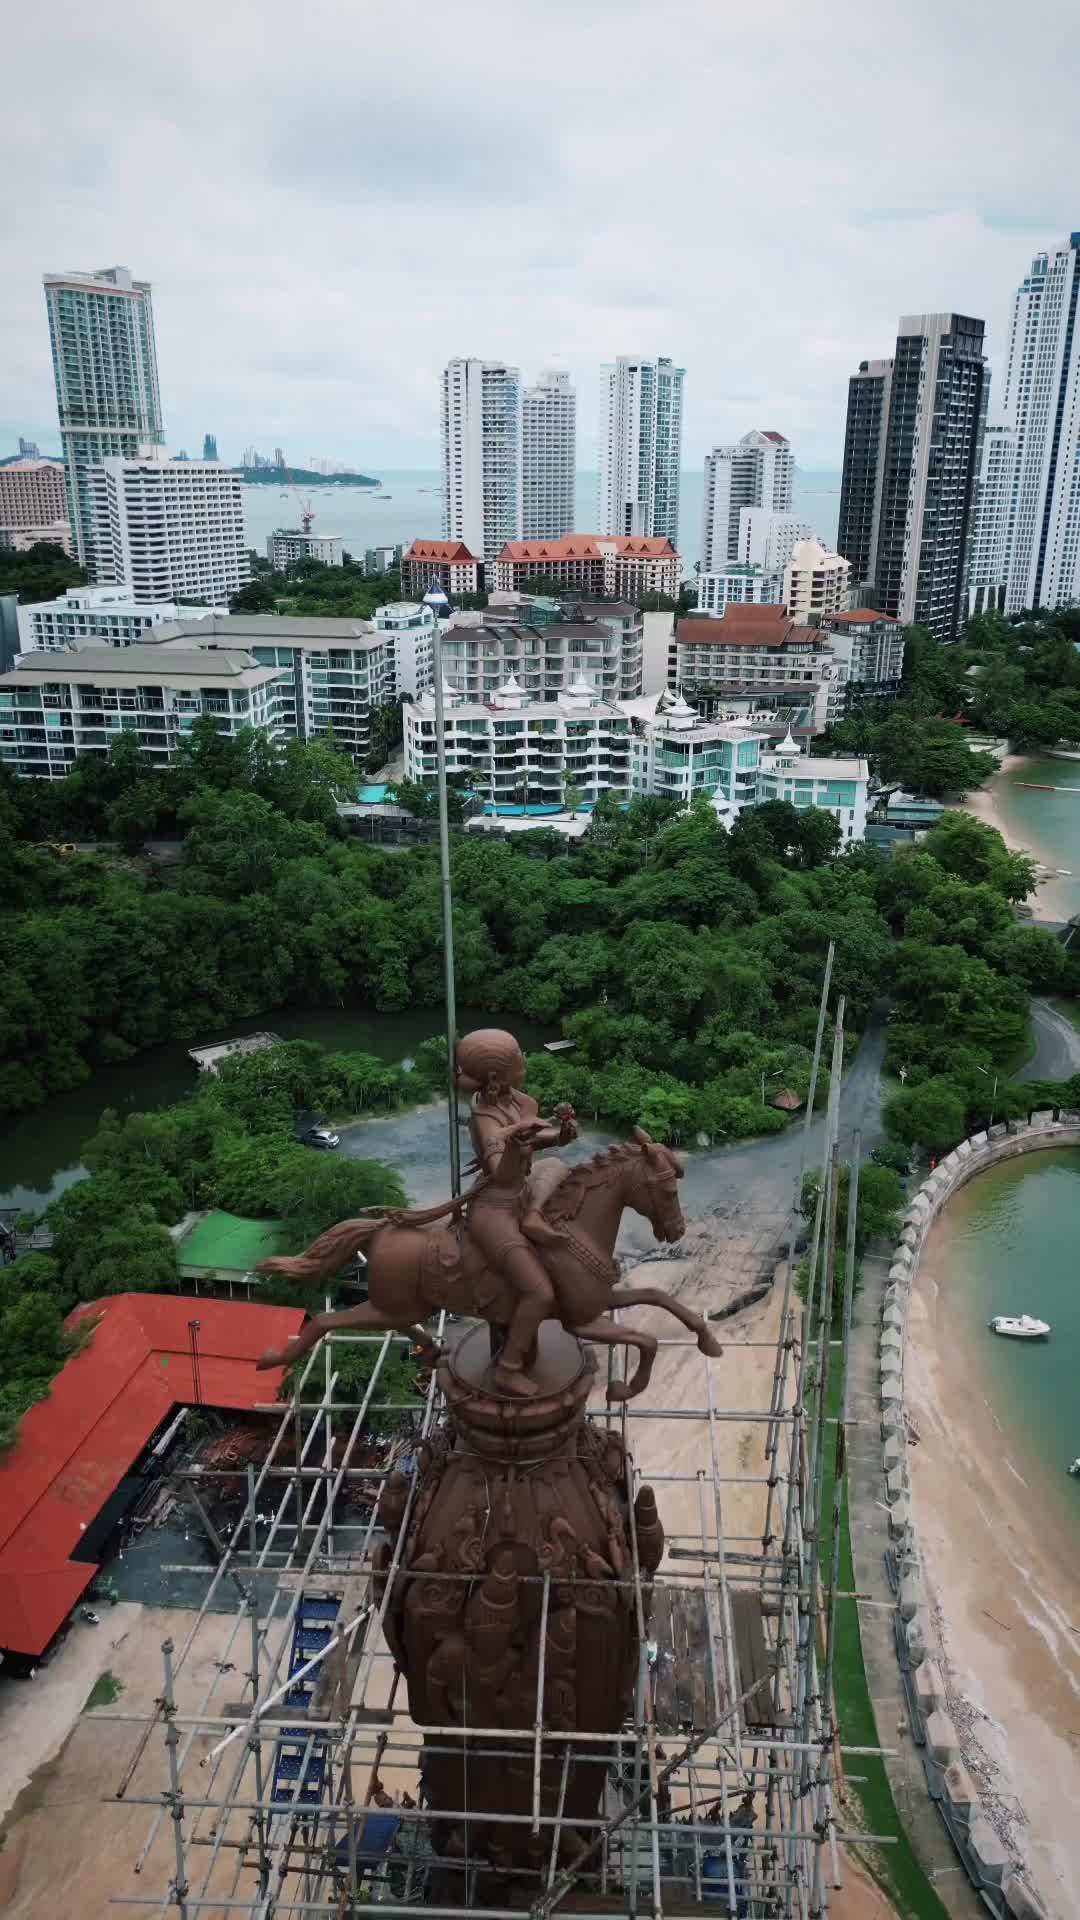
1051,900
1004,1600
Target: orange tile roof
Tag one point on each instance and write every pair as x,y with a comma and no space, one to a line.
746,626
454,552
589,546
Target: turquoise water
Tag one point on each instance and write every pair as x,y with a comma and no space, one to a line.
1009,1246
1047,824
409,506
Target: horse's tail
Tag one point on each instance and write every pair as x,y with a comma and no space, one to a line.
326,1255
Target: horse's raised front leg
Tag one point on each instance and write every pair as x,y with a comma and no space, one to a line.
606,1334
694,1322
365,1316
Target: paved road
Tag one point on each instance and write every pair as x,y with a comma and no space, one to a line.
1057,1045
753,1180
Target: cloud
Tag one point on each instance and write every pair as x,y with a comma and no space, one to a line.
331,202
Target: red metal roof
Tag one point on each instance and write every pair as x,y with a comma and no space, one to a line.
751,625
589,546
453,552
75,1447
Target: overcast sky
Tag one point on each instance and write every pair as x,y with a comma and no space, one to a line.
332,198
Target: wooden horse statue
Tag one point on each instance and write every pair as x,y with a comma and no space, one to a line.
416,1271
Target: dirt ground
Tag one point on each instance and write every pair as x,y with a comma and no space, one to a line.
69,1846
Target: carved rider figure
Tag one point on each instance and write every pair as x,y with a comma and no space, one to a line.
506,1130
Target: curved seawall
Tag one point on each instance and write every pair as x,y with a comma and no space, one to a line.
986,1857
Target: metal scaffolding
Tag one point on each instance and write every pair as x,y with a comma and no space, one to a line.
298,1791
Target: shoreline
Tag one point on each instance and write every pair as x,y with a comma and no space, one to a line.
1003,1595
1048,902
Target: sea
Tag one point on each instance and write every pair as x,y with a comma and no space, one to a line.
408,506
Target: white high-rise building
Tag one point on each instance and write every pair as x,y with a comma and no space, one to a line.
170,529
988,553
640,448
482,455
767,537
101,326
1041,405
759,471
549,457
815,581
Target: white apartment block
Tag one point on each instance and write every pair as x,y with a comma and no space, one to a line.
677,754
520,753
838,786
33,504
97,617
599,646
739,585
54,706
287,545
815,581
101,329
988,553
755,659
549,457
868,651
592,563
1041,407
767,537
409,630
336,671
170,529
758,471
482,454
640,447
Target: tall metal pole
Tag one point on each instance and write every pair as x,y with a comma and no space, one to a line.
438,603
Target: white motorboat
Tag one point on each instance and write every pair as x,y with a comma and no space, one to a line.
1075,1469
1020,1327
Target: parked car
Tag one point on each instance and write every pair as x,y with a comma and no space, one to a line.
323,1137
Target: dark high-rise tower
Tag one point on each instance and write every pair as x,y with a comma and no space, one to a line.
911,455
209,446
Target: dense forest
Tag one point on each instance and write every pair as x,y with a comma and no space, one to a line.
685,962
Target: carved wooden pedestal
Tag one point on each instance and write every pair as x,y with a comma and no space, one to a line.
511,1490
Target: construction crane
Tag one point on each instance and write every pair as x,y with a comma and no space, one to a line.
307,511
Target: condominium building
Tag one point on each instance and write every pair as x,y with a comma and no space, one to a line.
482,454
739,585
678,755
97,617
767,537
868,652
756,655
408,628
591,563
641,447
101,327
383,559
917,522
521,754
598,645
287,545
549,457
1041,409
54,706
33,504
335,671
863,483
839,786
758,471
169,529
988,558
815,581
440,563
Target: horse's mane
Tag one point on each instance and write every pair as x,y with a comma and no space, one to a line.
566,1201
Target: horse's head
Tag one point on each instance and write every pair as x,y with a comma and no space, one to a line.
656,1194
